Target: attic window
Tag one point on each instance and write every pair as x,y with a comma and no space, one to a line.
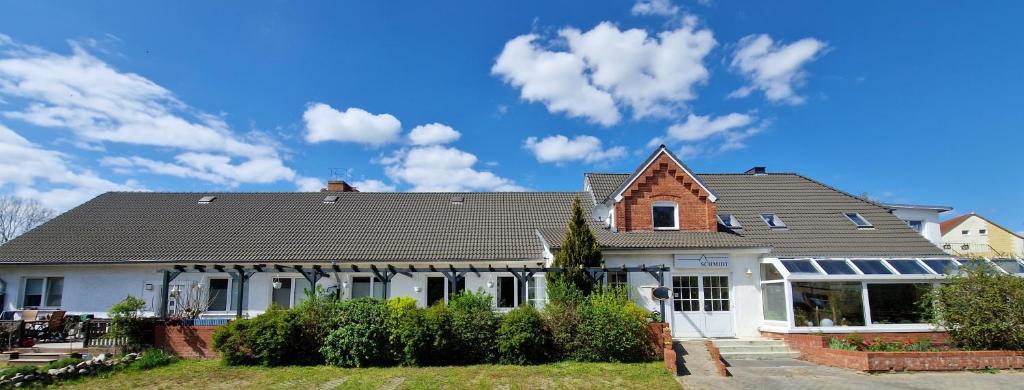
331,199
207,199
773,221
859,220
458,199
729,221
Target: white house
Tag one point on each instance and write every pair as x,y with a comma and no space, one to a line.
741,253
923,219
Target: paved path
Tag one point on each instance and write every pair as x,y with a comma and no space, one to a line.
796,374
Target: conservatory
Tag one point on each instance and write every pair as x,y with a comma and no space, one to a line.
844,295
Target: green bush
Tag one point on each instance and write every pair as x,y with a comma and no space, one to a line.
269,339
316,316
24,370
126,319
410,339
362,338
473,327
981,308
152,358
522,338
612,329
561,317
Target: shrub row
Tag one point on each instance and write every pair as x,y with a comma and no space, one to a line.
369,332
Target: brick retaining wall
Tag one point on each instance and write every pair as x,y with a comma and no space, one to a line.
814,348
187,341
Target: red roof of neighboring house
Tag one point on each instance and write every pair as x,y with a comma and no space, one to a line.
952,223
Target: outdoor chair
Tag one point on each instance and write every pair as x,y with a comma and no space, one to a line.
55,330
32,327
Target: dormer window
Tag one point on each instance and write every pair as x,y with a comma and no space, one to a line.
859,220
665,216
773,221
729,221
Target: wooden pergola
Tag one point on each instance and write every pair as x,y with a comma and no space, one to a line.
241,273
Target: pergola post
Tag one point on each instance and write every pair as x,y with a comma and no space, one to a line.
240,276
168,277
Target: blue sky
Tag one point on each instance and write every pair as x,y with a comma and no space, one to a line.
908,102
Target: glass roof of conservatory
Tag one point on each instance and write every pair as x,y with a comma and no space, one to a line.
882,268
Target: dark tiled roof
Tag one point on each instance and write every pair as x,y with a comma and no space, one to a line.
604,184
813,213
657,239
282,227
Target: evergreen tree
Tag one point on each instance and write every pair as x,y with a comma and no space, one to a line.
579,249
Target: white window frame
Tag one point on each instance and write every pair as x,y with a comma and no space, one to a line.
675,215
965,232
291,295
45,293
231,285
982,232
539,284
920,225
426,285
866,225
515,292
373,285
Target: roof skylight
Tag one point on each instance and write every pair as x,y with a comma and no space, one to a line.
942,266
800,266
330,199
859,220
207,199
729,221
907,266
871,267
773,221
836,267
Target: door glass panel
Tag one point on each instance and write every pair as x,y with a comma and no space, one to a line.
685,293
435,289
716,293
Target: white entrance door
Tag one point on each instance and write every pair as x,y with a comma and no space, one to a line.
701,306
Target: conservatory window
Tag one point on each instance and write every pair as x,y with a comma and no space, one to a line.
773,301
1009,265
836,267
871,267
769,272
907,267
897,303
800,266
828,304
941,266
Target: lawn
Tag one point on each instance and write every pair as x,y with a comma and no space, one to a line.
211,374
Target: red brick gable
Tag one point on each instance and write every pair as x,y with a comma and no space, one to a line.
665,180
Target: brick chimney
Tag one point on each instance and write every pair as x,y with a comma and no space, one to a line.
338,186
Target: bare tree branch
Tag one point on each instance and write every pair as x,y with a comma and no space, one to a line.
19,215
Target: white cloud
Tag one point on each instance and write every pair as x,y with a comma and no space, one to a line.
208,167
28,170
99,104
774,68
433,134
440,168
324,123
605,67
559,148
655,7
556,79
308,184
373,185
697,127
708,135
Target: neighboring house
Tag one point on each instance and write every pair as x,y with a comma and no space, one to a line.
922,219
741,253
972,235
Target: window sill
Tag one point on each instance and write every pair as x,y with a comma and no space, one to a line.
666,228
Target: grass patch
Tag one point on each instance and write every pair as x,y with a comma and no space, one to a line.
211,374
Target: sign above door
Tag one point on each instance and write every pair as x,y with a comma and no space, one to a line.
701,262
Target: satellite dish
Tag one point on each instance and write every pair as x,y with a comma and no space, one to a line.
661,293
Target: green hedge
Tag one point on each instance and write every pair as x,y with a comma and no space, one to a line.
368,332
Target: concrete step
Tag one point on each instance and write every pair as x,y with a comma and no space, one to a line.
30,362
753,348
759,355
740,342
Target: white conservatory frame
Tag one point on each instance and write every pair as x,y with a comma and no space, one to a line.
931,276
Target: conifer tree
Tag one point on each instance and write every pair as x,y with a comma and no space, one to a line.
579,249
